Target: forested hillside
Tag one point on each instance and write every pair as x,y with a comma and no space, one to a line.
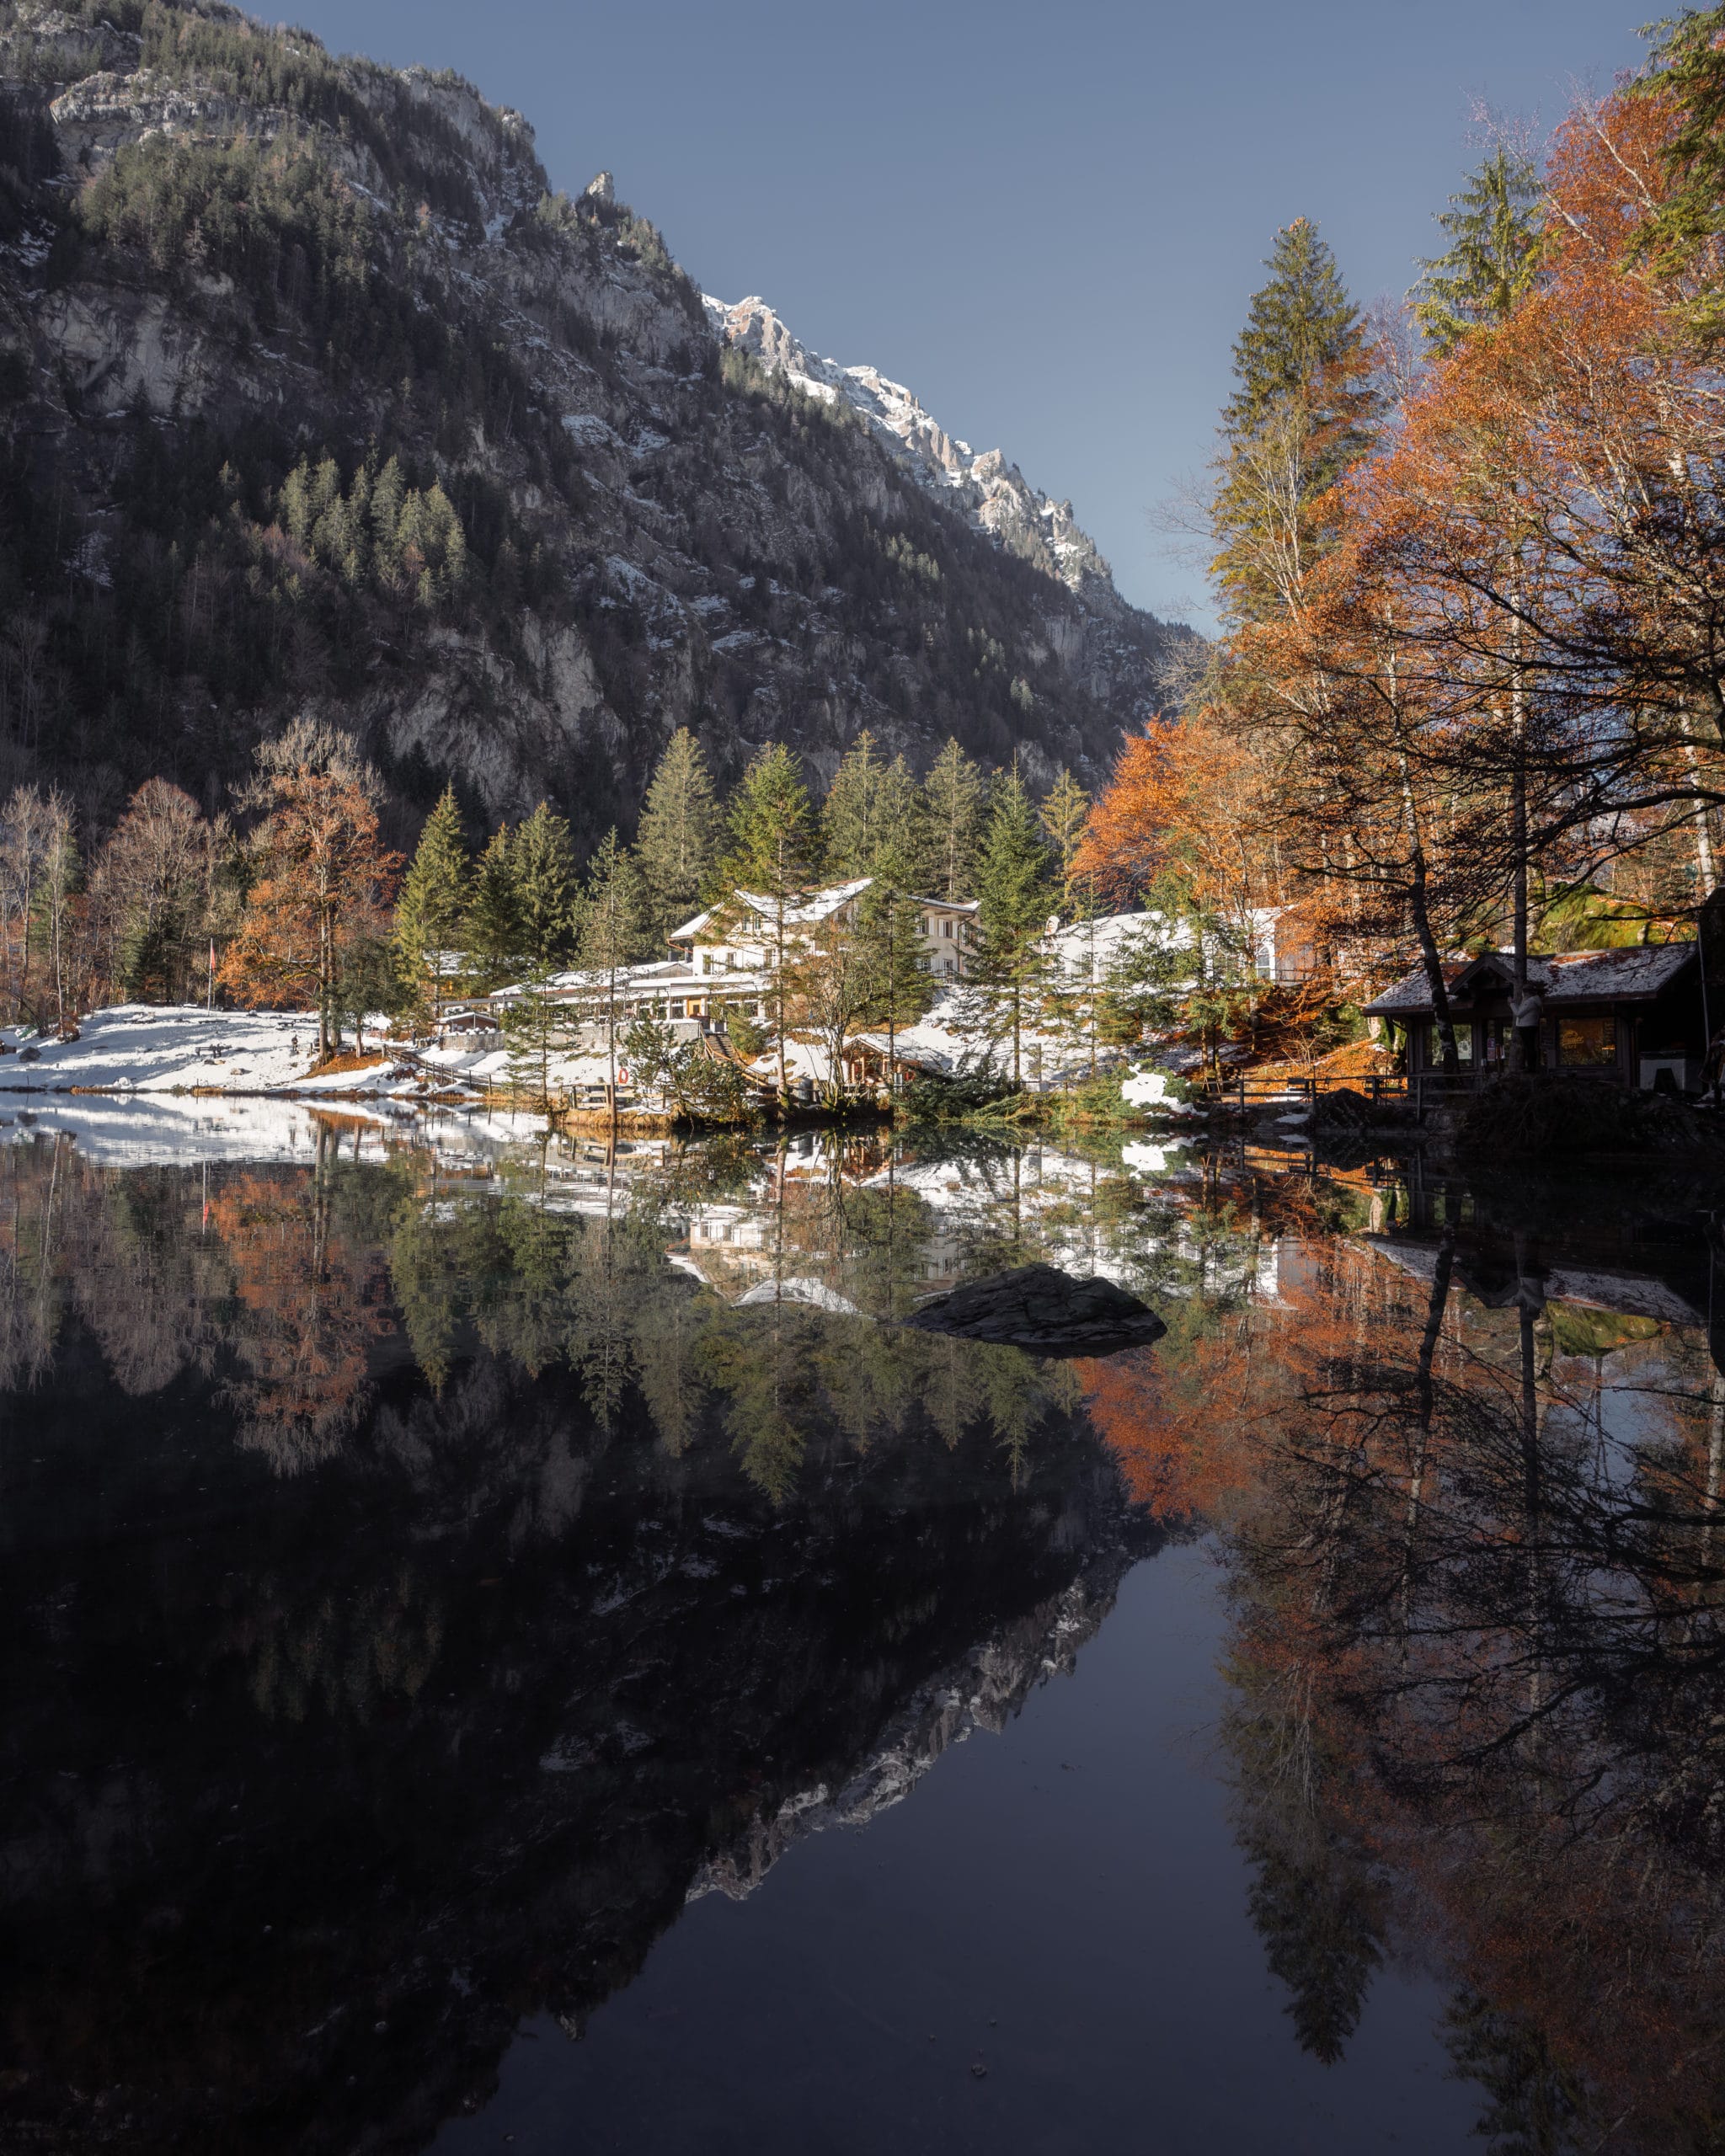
314,398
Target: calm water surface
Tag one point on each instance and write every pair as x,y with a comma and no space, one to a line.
509,1645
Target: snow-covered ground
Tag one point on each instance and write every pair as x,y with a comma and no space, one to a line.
142,1047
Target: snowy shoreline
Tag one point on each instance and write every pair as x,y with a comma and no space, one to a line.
183,1050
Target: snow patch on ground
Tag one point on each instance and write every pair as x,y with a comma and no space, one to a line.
140,1048
144,1048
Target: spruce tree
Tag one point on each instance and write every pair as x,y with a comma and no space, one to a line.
1493,255
1686,74
1073,997
1062,815
869,808
537,1027
890,932
614,934
1300,324
1303,410
952,809
433,902
548,890
493,932
773,853
1015,887
678,836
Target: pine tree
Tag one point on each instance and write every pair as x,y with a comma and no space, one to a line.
369,979
1686,73
890,929
773,853
433,902
1062,816
1493,256
1073,998
772,842
952,810
536,1026
869,808
614,934
1302,412
1300,323
548,890
1015,887
493,932
677,840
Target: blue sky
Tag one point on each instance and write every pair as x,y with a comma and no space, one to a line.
1046,220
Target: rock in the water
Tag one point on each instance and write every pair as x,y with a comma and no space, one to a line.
1044,1309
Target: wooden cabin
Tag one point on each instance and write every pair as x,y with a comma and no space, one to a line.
1627,1015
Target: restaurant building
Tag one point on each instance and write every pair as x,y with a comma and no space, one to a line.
1627,1015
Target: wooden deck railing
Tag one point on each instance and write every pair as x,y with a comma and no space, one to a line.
1245,1088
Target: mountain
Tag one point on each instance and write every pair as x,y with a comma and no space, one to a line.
314,396
993,494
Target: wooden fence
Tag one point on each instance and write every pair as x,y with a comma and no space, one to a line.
1245,1089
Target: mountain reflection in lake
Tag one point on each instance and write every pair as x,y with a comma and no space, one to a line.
433,1562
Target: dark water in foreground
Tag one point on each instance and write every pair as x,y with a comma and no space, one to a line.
511,1647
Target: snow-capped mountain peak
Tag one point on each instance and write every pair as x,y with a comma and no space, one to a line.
993,493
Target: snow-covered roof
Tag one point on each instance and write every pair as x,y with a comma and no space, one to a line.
659,977
1570,977
817,906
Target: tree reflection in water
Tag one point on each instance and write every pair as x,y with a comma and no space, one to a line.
416,1586
449,1566
1477,1581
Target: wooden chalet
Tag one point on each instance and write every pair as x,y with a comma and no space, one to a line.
1628,1016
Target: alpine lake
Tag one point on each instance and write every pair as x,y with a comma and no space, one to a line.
513,1641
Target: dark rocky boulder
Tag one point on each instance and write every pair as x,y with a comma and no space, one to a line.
1344,1110
1044,1309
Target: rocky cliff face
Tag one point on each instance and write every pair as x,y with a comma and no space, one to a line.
986,1690
313,395
992,493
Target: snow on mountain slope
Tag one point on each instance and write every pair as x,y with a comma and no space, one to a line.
996,494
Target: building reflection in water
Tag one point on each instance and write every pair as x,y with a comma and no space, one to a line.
429,1565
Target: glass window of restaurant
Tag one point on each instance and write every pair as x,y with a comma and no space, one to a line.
1435,1045
1587,1042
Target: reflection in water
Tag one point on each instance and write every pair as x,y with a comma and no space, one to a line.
1476,1572
417,1587
430,1565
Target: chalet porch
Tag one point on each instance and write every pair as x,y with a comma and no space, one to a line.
1634,1017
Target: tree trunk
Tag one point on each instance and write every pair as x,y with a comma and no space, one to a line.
1435,1308
1706,873
1430,957
1526,1036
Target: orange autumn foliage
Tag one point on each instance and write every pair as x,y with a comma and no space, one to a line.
324,877
1185,802
313,1306
1544,533
1179,1432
